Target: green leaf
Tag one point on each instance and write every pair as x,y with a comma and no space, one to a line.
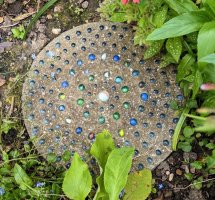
197,83
184,67
21,177
174,47
51,157
166,60
139,185
77,181
188,131
210,161
182,6
208,59
66,155
185,146
206,41
178,128
196,165
38,15
207,126
198,183
118,17
210,146
116,171
211,4
160,16
101,149
180,25
153,49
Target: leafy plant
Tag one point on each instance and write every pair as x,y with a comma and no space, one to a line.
114,164
18,32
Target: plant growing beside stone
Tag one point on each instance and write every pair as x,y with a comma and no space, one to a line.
185,33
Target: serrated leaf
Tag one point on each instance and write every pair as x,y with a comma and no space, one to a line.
77,182
208,59
160,16
101,149
174,47
139,185
21,177
184,67
206,41
116,171
118,17
180,25
182,6
197,83
197,164
153,49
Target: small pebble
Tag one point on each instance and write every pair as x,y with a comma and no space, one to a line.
192,170
168,193
171,177
85,4
167,173
56,31
178,172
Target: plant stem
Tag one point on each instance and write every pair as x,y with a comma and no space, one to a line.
196,117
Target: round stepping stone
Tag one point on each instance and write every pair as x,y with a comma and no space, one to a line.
93,78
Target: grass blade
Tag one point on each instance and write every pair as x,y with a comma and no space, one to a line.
39,14
178,128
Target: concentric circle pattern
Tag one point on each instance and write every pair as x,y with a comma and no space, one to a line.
93,78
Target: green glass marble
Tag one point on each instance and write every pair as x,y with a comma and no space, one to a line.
62,96
125,89
81,87
91,78
86,114
80,102
101,120
126,105
116,116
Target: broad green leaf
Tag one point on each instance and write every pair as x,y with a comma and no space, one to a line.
153,49
210,161
196,164
206,39
182,6
197,83
77,181
174,47
184,67
211,4
116,171
207,126
180,25
188,131
139,185
21,177
166,60
118,17
160,16
208,59
101,149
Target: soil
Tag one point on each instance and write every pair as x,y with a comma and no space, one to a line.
17,56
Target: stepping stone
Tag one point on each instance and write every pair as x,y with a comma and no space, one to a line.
93,78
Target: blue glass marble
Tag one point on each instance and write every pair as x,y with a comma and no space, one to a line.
89,30
30,104
133,122
154,103
127,143
35,131
51,91
145,144
41,62
160,186
167,83
58,45
116,58
159,125
31,117
50,105
67,37
46,121
166,105
41,141
167,94
101,27
162,116
175,120
150,114
171,131
59,70
61,108
149,160
66,133
158,152
57,139
79,63
58,159
32,83
50,149
42,111
66,62
49,54
36,72
136,134
64,84
140,166
124,48
78,130
136,152
73,45
135,73
118,79
57,126
83,48
151,134
78,33
145,125
180,97
152,80
91,57
144,96
166,143
142,62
